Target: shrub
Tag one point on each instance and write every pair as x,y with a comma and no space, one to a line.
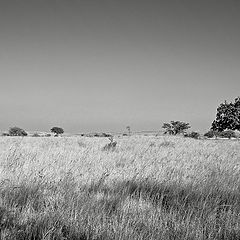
16,131
106,135
194,135
227,134
5,134
211,134
224,134
36,135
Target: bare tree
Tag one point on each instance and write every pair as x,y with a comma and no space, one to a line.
129,130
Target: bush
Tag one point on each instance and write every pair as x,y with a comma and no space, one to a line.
194,135
36,135
5,134
227,134
16,131
106,135
211,134
224,134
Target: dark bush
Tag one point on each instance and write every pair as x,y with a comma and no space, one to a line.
211,134
106,135
224,134
5,134
227,134
194,135
36,135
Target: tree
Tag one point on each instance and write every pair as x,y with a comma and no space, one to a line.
129,130
16,131
57,130
175,127
227,117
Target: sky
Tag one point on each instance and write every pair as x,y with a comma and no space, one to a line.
99,66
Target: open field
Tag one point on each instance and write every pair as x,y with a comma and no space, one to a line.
147,188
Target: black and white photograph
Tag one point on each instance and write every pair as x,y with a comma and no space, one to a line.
119,119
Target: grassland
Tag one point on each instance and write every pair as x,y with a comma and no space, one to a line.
147,188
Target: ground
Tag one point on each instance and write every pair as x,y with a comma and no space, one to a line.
148,187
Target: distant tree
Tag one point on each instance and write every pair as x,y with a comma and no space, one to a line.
16,131
57,130
227,117
175,127
129,130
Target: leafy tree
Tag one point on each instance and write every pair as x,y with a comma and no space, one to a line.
57,130
16,131
228,116
175,127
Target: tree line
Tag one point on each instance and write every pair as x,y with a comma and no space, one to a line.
16,131
226,122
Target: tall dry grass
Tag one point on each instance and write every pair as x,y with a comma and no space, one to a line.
147,188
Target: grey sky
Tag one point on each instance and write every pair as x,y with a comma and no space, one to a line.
102,65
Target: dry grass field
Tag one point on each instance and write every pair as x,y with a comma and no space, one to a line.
147,188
